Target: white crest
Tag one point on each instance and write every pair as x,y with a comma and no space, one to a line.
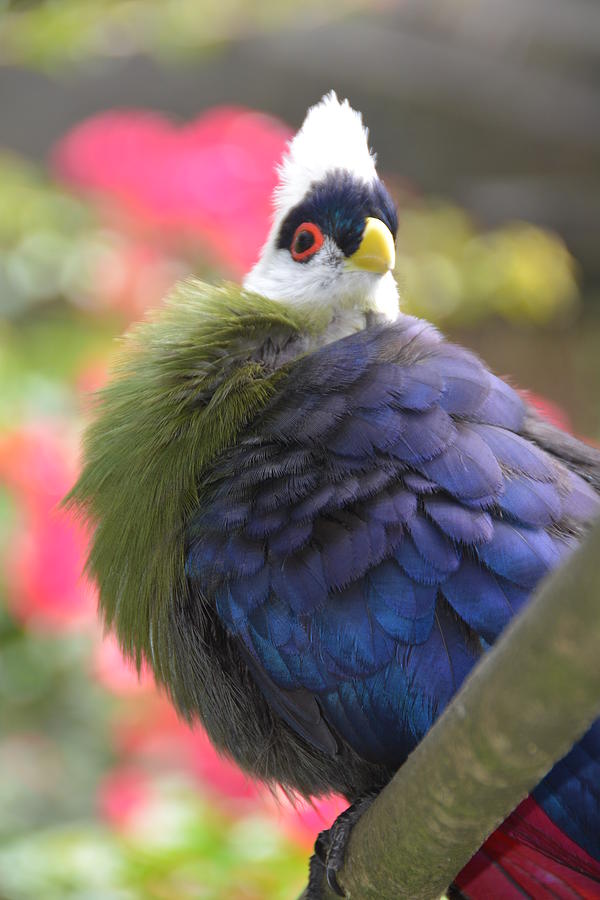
332,137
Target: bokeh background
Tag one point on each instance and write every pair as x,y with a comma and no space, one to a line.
138,140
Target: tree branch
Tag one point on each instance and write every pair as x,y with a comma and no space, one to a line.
521,709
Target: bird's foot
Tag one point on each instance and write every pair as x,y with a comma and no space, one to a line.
330,849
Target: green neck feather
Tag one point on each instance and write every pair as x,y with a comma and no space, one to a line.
188,381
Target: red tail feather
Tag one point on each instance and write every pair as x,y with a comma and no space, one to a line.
528,856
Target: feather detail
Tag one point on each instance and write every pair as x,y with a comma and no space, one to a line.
530,502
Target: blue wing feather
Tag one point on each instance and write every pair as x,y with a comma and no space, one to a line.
478,597
458,522
433,545
375,530
467,469
404,610
520,554
531,502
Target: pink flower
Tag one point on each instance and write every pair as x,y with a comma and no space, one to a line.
46,553
154,733
136,275
302,820
117,674
150,734
90,379
122,795
209,181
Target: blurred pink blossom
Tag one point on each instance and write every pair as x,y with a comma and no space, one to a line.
153,733
122,796
302,820
46,553
209,181
117,674
90,379
137,275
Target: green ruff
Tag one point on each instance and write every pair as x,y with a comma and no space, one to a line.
187,383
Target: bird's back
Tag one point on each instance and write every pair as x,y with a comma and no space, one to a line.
372,533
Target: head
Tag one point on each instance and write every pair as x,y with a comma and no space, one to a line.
333,233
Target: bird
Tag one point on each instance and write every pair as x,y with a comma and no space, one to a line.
312,515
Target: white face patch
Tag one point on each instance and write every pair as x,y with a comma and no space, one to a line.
332,143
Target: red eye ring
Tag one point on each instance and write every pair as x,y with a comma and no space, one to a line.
300,252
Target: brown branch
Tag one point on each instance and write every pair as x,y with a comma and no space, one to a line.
522,708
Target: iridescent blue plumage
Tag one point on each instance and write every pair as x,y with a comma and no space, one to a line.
375,530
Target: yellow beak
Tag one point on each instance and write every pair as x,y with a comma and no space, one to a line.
376,252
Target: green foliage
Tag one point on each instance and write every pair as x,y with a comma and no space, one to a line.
450,272
58,32
184,850
50,241
41,357
52,777
188,850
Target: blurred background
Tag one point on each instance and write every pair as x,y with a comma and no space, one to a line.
138,140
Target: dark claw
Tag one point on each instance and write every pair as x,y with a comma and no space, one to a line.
322,846
314,890
330,848
333,882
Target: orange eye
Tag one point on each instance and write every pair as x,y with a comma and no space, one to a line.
307,239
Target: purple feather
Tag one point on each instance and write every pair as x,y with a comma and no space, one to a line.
502,406
242,556
374,481
290,539
261,525
300,581
356,437
284,491
344,493
467,469
335,543
404,609
470,526
251,591
434,546
521,554
424,435
531,502
465,382
379,388
423,386
352,638
582,503
313,504
517,453
419,484
392,506
476,595
415,565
